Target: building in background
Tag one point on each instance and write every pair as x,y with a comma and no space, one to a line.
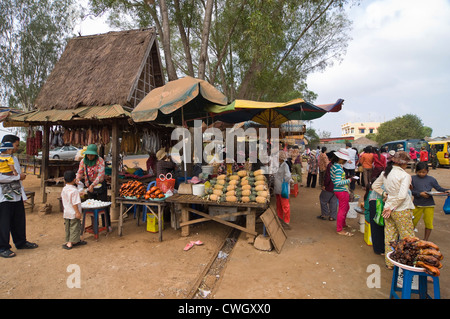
359,129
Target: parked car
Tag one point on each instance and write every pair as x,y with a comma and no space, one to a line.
406,145
64,152
443,151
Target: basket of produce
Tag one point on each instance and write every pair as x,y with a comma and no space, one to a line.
242,186
414,254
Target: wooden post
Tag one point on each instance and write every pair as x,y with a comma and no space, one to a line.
114,173
251,224
45,161
184,218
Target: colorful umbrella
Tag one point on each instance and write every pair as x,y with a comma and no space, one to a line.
271,114
178,101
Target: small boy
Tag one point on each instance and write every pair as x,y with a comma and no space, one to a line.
71,200
7,168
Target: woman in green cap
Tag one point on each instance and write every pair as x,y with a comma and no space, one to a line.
92,171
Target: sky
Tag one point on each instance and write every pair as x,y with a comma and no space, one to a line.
397,63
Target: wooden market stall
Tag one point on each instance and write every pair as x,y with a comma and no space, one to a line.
97,82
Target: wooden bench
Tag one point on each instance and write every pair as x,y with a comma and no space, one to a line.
30,200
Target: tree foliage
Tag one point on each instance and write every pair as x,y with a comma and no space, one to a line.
32,37
408,126
251,49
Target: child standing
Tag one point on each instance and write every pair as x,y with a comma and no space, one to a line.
423,183
7,168
71,200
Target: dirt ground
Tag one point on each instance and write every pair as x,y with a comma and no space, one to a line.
315,262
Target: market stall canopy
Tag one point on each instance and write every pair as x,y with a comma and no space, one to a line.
271,114
60,116
186,96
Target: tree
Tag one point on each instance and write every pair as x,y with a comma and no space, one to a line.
252,49
312,137
402,127
32,36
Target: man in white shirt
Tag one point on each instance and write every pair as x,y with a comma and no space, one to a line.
12,212
350,166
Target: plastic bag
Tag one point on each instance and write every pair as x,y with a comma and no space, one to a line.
447,205
378,219
285,189
165,183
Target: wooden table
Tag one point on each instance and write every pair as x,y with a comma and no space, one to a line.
186,200
143,203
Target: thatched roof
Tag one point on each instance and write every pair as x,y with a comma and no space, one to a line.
105,69
365,141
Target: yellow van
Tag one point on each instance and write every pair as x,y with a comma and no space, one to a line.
443,151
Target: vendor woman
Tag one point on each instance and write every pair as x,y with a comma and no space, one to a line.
92,172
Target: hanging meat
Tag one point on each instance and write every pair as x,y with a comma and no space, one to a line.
38,137
105,139
66,137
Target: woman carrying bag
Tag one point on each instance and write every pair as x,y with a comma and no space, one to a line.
92,171
283,176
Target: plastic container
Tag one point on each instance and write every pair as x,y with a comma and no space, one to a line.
152,223
207,169
367,234
198,189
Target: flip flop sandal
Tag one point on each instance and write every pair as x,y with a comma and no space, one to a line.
198,242
66,247
7,254
80,243
321,217
331,219
346,234
28,245
188,246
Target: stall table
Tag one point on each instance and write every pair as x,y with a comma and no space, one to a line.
143,203
185,200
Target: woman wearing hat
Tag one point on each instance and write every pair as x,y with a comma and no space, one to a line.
92,171
398,207
340,189
163,163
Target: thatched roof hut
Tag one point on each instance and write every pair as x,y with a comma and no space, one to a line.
105,69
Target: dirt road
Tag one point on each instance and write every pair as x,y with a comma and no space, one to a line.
314,263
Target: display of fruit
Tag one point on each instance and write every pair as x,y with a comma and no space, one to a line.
412,251
154,193
242,186
132,189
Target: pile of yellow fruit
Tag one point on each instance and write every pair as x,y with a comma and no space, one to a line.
242,186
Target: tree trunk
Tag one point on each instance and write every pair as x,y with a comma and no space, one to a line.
205,38
171,72
244,89
184,39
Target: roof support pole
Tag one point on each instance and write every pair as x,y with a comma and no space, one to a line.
115,171
45,161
